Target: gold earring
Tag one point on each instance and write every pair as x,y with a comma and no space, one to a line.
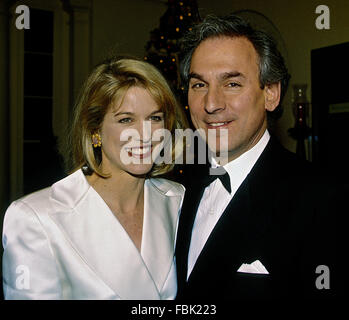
96,140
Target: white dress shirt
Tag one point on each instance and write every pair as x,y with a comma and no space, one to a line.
216,198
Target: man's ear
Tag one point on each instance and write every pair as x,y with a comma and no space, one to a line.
272,95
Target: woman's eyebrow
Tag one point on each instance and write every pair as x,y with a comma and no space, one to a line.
132,113
126,113
155,112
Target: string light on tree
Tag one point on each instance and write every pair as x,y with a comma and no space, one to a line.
162,49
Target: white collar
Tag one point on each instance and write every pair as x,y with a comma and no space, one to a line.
240,167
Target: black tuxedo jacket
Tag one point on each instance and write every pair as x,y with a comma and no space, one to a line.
283,215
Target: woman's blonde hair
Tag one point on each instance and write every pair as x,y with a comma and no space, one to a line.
108,83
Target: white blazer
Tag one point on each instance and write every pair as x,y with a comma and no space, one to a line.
63,242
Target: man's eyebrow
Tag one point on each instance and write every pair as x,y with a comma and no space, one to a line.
193,75
232,74
222,77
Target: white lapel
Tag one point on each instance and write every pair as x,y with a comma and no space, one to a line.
161,208
101,241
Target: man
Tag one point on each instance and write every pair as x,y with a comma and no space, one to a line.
265,233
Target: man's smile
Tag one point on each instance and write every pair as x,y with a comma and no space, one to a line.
215,125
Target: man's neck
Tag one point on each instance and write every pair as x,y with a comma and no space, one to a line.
221,161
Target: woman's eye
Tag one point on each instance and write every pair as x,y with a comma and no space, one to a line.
125,120
156,118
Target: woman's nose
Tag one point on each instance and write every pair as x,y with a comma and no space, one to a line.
145,131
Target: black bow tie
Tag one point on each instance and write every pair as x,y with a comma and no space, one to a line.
217,173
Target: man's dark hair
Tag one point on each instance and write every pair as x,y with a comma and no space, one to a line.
272,68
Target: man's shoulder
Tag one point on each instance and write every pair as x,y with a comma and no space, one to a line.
281,161
286,170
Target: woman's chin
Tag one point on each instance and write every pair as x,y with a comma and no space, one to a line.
139,170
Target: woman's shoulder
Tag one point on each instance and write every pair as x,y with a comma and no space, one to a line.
22,218
41,199
168,187
31,200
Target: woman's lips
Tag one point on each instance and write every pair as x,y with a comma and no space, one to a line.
140,152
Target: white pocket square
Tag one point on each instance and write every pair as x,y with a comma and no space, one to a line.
254,267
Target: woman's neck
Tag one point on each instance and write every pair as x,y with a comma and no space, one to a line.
121,191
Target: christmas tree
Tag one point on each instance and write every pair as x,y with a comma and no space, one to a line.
162,49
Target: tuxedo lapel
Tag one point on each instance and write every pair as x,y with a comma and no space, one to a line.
188,213
230,234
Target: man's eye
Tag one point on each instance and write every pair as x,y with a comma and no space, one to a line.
233,84
125,120
198,85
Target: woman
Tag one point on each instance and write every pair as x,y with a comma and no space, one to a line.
106,231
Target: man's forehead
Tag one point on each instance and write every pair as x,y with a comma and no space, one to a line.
224,55
225,46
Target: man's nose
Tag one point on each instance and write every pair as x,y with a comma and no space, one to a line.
214,101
